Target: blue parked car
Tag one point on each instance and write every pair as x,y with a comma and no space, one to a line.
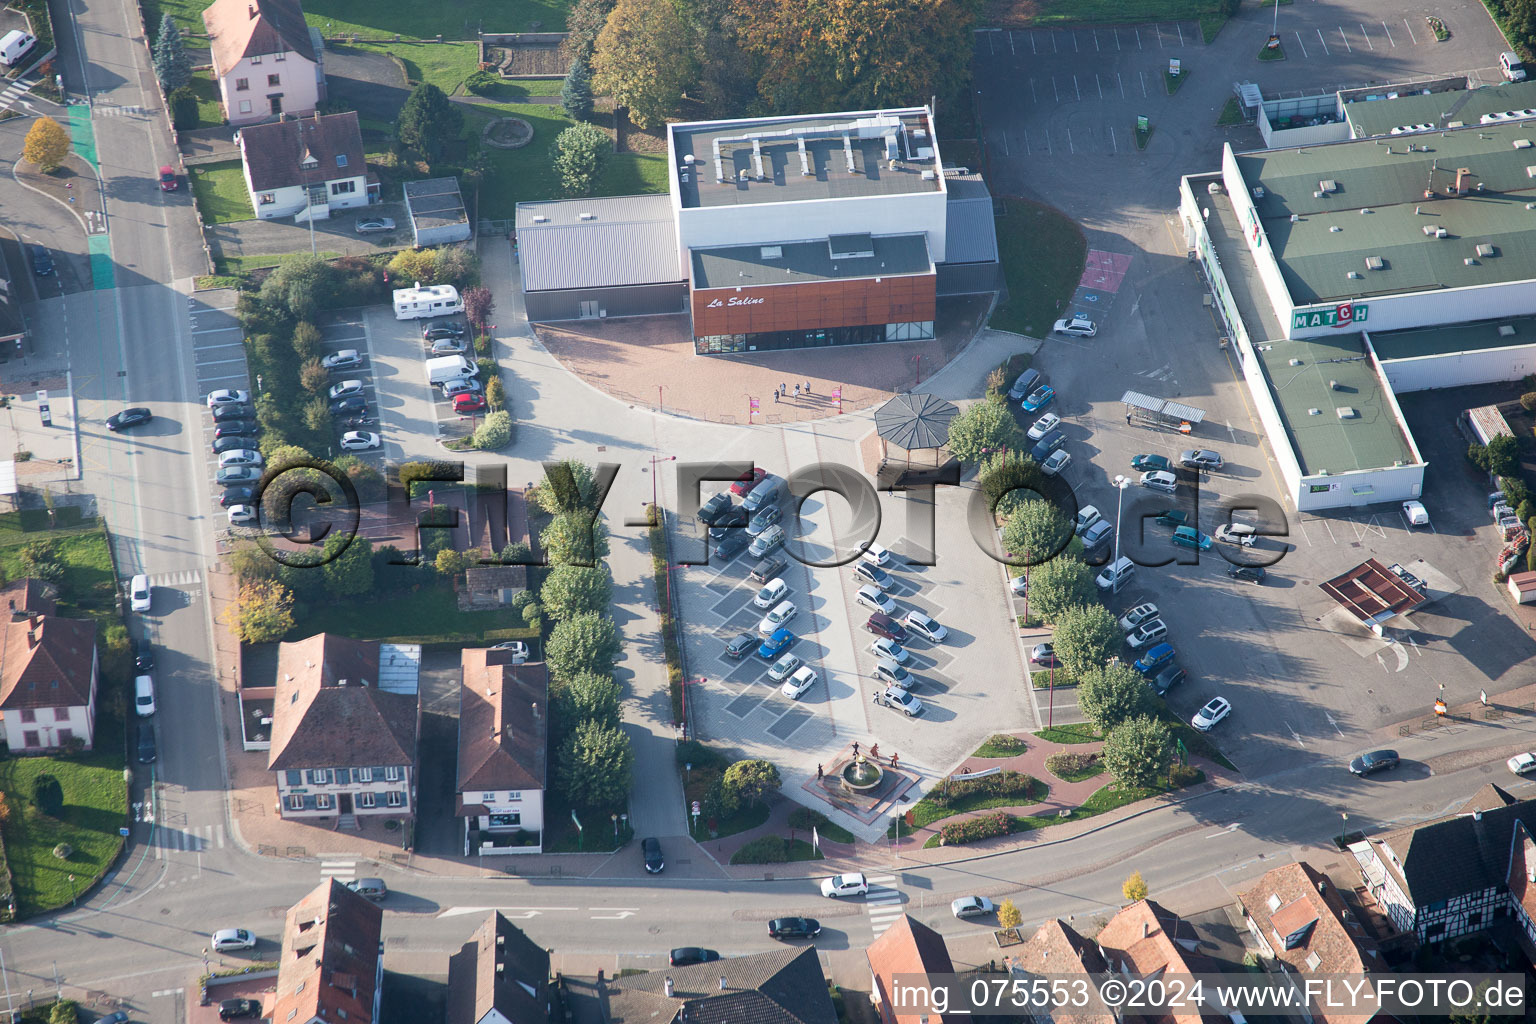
1039,398
776,643
1047,444
1154,659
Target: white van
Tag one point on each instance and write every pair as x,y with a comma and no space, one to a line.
433,300
144,696
445,368
14,45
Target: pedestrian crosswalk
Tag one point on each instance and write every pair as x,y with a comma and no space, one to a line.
341,870
15,91
884,902
192,839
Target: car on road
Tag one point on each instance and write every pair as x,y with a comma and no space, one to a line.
147,751
900,700
765,518
1208,717
343,360
233,1009
1043,654
239,456
359,441
1047,444
168,178
239,494
1173,518
731,545
803,679
234,428
138,593
748,480
852,884
469,402
1137,615
740,644
369,888
344,388
883,625
516,652
42,260
784,668
775,644
1151,463
1160,480
129,418
442,329
1169,676
714,508
794,928
1044,425
1149,632
1201,458
373,225
1247,573
1055,462
873,574
925,627
875,554
115,1017
227,940
890,650
1375,761
1098,535
1189,537
1236,533
1415,513
144,695
971,906
1155,658
1522,764
687,956
227,396
349,404
774,591
781,613
650,850
231,411
1039,398
1077,325
873,598
768,568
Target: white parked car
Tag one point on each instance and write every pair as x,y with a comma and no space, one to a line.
240,457
1019,585
1415,513
784,667
227,939
227,396
782,613
1078,326
517,651
1044,425
877,555
1150,632
1214,711
359,441
1055,462
1136,616
239,515
345,388
772,593
925,627
1086,517
853,884
343,360
803,679
900,700
1160,480
873,598
138,593
890,650
1236,533
972,906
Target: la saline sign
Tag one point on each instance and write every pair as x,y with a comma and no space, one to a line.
734,300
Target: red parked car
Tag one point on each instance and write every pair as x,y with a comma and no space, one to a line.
747,481
468,402
167,179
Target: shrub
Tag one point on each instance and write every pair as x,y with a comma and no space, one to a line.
47,794
1186,775
1068,763
494,432
804,819
481,83
1009,783
183,104
1515,491
763,850
986,826
1528,401
63,851
64,1012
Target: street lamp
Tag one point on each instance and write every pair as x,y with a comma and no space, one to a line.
1121,483
655,459
1344,821
71,890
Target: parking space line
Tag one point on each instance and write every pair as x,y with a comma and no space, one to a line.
1320,39
1032,97
1010,45
1055,91
1096,40
1075,47
1347,47
1055,46
1121,82
219,362
1026,144
1143,75
1071,148
1099,84
1410,33
1005,145
1367,35
1077,89
1138,39
1180,27
1301,44
1388,31
217,330
222,344
1112,147
1159,30
991,46
1032,43
1117,39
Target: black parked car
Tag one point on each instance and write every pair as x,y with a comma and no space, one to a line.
651,850
734,517
442,329
143,654
1247,573
234,428
233,411
42,260
683,956
237,494
714,508
768,568
740,644
732,544
349,404
230,1009
1167,678
1375,761
129,418
146,743
794,928
231,443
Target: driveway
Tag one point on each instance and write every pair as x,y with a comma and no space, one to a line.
338,233
367,82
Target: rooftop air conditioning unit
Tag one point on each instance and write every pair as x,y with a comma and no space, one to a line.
1333,385
772,252
1328,185
1469,262
930,176
1506,330
1294,218
1442,233
1374,263
540,219
1318,194
1486,250
1354,275
1295,362
1345,412
1522,143
588,216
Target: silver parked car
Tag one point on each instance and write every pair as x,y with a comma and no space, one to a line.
373,225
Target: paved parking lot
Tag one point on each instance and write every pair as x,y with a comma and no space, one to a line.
416,414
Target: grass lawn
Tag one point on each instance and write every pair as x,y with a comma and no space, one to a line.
220,192
428,615
793,851
88,588
1080,732
459,19
445,65
1043,255
210,113
95,807
1109,798
238,266
1232,113
596,832
1001,746
516,90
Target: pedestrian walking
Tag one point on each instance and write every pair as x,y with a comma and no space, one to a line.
797,390
893,759
856,745
775,395
784,388
874,751
807,387
818,773
1127,419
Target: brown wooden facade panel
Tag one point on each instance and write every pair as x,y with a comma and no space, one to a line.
814,304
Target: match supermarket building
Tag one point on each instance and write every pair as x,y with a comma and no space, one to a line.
775,233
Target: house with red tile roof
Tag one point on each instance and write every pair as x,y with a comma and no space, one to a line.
306,168
503,751
500,976
906,947
331,968
48,672
266,59
1056,950
1147,939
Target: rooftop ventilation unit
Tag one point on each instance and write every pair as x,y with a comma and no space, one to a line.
1345,412
1334,228
1506,330
930,176
1469,262
1522,143
1294,218
1328,185
1365,210
689,158
1318,195
588,216
540,219
1354,275
1314,412
1486,250
1374,263
1295,362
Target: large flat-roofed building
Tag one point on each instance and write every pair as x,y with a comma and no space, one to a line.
779,232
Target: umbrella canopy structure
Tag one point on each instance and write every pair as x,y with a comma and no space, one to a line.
915,422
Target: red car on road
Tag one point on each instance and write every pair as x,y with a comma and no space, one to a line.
167,179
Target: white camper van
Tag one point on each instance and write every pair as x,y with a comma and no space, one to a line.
14,45
445,368
434,300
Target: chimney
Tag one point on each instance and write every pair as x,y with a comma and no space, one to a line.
1461,174
1477,815
1145,929
722,983
670,988
31,638
1322,887
250,9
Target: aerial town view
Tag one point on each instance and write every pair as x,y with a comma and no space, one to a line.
767,512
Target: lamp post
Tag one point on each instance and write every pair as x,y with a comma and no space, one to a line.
654,460
1121,483
659,388
1344,821
71,890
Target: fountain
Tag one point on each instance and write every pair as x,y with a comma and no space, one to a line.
862,775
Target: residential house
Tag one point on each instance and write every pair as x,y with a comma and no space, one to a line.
1449,877
784,986
48,671
1145,938
491,586
331,968
1304,927
503,751
1058,951
305,168
266,60
906,947
344,729
500,976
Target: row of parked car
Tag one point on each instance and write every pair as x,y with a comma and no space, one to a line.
450,366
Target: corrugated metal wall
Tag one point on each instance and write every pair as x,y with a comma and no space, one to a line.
631,300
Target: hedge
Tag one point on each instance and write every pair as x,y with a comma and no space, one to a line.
986,826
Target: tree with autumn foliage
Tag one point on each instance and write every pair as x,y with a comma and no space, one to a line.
47,145
644,59
263,613
858,54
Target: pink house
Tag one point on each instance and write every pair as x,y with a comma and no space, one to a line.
266,60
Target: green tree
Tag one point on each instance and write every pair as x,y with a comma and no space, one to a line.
576,93
263,614
1002,474
496,396
746,783
1059,584
585,20
596,765
314,377
982,428
1036,532
592,697
172,65
414,265
644,59
184,111
349,569
575,538
449,562
579,154
1135,888
1138,752
455,265
46,145
428,121
576,590
1111,694
1504,455
306,340
582,643
566,487
1086,637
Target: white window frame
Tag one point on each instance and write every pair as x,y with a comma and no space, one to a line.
256,59
319,776
394,798
366,800
280,56
363,774
322,801
392,773
295,802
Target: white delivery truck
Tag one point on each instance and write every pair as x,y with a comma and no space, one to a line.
449,368
14,45
433,300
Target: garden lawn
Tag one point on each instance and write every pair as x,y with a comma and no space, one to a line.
220,192
88,588
594,836
1001,746
1043,254
517,90
210,112
238,266
381,19
445,65
95,807
927,810
428,615
1080,732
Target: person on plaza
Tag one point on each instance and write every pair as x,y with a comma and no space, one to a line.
874,750
818,773
797,389
775,394
893,759
807,387
855,750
